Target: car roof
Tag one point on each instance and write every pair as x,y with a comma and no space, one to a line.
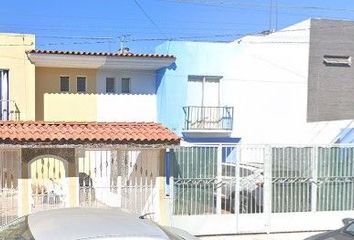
84,223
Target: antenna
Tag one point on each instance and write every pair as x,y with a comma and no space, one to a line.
276,15
270,14
123,40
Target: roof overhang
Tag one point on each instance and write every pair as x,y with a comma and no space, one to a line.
34,133
99,62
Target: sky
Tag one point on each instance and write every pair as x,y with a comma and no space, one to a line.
100,25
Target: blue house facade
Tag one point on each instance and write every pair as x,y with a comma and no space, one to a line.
190,94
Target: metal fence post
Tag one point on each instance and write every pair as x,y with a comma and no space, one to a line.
237,176
219,179
171,202
267,190
314,174
119,191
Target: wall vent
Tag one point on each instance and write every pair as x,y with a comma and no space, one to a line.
336,60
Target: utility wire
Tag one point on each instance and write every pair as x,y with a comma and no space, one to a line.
251,5
148,17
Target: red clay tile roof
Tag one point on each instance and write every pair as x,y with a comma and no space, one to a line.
22,132
109,54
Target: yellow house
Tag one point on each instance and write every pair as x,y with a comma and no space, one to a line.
17,77
48,160
76,86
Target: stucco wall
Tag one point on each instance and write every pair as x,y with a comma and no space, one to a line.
13,57
141,82
264,79
70,107
126,107
99,107
48,81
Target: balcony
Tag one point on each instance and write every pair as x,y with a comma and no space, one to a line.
9,110
199,118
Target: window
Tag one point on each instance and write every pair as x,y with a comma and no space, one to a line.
4,95
125,85
203,90
81,84
350,229
110,85
64,84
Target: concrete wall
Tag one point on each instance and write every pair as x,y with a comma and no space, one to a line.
69,107
331,88
48,81
264,77
95,105
126,107
99,107
141,82
13,57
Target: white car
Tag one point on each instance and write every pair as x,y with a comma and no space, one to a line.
250,187
87,223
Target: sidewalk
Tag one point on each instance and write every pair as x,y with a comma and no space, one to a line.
275,236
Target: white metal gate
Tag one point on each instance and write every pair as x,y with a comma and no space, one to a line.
118,178
261,188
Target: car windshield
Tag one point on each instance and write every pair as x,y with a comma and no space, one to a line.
350,229
17,230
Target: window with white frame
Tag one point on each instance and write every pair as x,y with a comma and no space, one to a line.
110,86
203,90
81,84
125,85
64,84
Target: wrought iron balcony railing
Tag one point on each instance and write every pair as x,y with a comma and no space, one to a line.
208,118
9,110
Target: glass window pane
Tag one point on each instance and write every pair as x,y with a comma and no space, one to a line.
125,85
81,84
110,85
64,84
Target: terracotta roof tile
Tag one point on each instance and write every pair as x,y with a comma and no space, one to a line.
20,132
109,54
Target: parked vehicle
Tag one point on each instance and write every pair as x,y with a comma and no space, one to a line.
87,190
87,223
250,187
344,233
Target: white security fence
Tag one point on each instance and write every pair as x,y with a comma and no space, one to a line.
215,189
261,188
107,178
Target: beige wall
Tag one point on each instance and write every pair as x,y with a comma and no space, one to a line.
57,107
13,57
69,107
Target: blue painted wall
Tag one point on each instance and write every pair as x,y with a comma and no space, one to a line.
193,58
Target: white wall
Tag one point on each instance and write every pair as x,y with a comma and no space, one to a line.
126,107
138,106
142,82
266,82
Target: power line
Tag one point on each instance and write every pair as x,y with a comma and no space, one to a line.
147,16
248,4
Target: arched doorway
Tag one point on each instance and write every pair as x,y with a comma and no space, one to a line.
48,182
